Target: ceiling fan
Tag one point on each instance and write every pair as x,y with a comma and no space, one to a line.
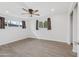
30,12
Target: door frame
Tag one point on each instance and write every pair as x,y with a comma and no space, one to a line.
72,10
71,28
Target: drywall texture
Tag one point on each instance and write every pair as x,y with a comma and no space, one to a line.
12,11
58,32
10,34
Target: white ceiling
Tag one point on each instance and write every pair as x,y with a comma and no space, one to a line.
43,7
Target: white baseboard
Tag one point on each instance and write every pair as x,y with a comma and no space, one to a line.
69,43
7,42
74,51
50,39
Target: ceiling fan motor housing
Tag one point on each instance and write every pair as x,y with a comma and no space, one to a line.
30,11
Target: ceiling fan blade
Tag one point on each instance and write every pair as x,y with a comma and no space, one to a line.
37,14
36,11
24,9
24,13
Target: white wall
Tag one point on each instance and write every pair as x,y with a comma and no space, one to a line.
10,34
59,28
